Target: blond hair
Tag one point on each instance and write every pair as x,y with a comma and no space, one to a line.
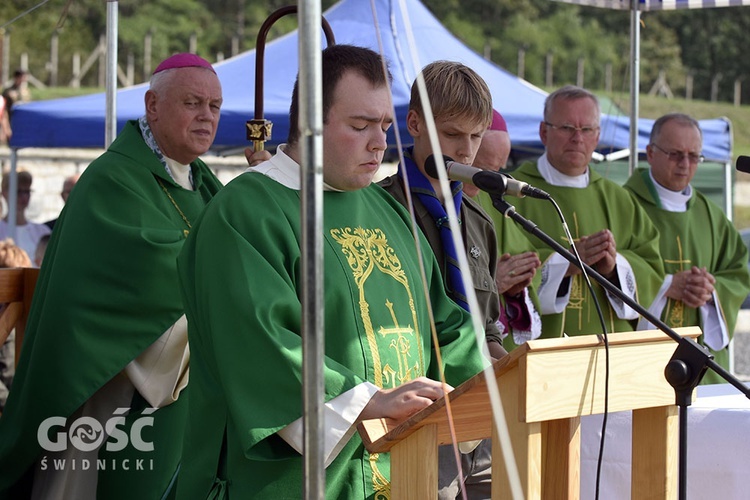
456,91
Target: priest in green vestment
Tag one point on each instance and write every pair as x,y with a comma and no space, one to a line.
611,232
704,257
241,277
105,352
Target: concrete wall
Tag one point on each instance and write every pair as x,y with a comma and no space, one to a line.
50,167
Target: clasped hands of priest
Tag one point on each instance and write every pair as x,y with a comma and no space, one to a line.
693,287
598,251
515,272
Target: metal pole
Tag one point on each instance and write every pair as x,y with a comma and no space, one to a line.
13,193
635,48
311,138
5,75
110,116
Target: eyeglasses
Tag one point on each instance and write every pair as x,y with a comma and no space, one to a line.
678,156
570,130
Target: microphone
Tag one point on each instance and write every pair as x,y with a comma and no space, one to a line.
743,164
486,180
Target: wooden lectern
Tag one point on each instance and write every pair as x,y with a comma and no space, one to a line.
546,386
16,291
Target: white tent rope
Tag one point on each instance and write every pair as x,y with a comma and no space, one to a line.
418,246
478,322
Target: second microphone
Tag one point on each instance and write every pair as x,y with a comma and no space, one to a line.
486,180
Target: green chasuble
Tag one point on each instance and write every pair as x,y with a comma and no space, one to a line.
701,236
108,289
241,276
512,239
601,205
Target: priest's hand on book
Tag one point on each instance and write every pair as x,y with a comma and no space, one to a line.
403,401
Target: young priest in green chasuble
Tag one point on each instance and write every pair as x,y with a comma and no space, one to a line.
244,429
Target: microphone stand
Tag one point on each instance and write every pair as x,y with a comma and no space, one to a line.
689,361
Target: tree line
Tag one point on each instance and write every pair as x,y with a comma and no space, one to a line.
699,49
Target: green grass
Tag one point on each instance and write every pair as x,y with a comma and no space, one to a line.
60,92
654,107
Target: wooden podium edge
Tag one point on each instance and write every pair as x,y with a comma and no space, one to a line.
380,435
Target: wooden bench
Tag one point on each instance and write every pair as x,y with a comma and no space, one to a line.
16,290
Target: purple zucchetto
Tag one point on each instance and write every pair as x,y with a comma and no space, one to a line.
498,122
183,60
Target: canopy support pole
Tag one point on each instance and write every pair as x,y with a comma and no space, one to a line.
635,49
110,117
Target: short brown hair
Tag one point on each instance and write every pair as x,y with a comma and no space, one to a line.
680,118
337,60
24,179
454,90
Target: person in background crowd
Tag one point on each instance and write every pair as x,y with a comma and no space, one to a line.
67,187
28,233
10,256
5,132
41,249
17,91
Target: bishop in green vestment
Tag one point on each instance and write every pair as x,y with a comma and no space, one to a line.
518,263
512,240
700,248
106,296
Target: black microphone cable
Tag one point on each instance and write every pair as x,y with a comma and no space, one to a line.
599,312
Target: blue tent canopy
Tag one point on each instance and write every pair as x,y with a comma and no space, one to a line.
79,122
